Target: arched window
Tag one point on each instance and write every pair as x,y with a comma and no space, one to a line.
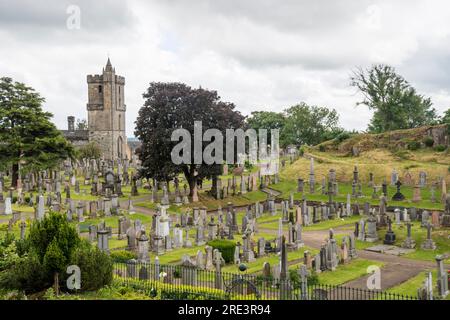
119,147
120,120
100,89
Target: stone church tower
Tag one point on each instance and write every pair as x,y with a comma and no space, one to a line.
106,113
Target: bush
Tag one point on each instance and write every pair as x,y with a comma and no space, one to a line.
122,256
342,136
89,151
96,266
321,148
226,247
440,148
301,151
28,274
413,145
428,141
52,244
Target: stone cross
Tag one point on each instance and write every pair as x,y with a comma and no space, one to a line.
303,274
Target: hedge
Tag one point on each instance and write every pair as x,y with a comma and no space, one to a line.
226,247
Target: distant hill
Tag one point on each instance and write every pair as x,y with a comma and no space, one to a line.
406,151
410,139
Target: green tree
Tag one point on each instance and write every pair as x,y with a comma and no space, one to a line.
309,125
90,150
53,228
81,124
96,266
395,103
170,106
27,134
266,120
53,240
446,117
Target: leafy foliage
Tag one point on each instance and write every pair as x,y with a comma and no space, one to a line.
90,150
226,247
122,256
51,245
96,266
266,120
26,132
395,103
309,125
53,233
428,141
413,145
170,106
446,117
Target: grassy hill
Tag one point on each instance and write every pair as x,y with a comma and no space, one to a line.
414,150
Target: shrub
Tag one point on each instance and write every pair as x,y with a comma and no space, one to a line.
301,151
89,151
12,295
440,148
95,265
342,136
28,274
51,246
226,247
428,141
122,256
321,148
413,145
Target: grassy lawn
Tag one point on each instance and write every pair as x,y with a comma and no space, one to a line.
257,265
410,286
287,186
440,237
271,223
347,272
113,221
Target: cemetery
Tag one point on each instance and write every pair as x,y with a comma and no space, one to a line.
251,162
156,234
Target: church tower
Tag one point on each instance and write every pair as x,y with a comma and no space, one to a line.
106,113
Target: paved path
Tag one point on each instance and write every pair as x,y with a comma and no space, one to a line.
395,271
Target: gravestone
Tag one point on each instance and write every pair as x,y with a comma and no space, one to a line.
398,196
390,235
428,244
442,277
409,242
372,234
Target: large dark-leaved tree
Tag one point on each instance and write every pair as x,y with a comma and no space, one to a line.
171,106
27,135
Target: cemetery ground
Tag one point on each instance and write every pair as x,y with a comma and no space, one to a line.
402,274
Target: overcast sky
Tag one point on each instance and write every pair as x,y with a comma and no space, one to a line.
259,54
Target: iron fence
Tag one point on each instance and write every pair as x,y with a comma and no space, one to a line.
189,283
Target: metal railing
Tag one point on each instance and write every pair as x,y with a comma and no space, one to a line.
185,282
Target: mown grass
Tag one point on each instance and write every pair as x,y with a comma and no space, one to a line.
286,187
347,272
410,286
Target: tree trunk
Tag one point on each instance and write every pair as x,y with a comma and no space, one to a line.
15,175
192,184
56,283
214,186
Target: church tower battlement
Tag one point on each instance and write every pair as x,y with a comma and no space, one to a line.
106,113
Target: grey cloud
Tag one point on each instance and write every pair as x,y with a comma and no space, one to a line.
38,20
